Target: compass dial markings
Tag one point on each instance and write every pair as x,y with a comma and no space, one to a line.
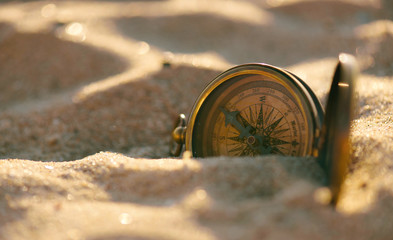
270,129
236,139
240,148
278,151
268,116
277,141
264,112
271,142
245,123
278,132
260,118
251,115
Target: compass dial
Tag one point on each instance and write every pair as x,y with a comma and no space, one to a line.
254,109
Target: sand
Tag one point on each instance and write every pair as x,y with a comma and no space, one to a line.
90,90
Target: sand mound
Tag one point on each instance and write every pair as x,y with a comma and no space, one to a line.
209,199
137,114
36,64
233,40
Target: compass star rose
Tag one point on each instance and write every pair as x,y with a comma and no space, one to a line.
294,143
264,136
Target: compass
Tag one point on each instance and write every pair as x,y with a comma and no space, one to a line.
254,109
259,109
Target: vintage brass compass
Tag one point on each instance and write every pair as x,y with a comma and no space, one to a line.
259,109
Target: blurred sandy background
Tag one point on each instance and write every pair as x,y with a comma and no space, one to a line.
89,91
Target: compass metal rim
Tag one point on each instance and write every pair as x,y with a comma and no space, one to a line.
315,107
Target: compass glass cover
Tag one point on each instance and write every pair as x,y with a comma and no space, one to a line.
254,109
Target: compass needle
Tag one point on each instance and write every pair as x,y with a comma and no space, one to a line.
231,118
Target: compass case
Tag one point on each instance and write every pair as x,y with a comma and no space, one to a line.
334,147
270,90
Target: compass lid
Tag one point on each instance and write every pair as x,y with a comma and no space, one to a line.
334,144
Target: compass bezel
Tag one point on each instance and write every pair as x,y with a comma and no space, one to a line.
312,102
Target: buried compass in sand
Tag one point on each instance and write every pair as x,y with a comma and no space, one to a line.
259,109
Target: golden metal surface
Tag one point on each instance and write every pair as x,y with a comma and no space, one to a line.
177,137
300,95
340,109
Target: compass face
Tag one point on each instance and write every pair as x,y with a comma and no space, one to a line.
251,110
